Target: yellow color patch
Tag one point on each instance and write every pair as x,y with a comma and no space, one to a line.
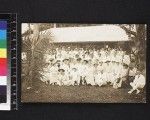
3,53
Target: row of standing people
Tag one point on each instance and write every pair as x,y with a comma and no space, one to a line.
103,55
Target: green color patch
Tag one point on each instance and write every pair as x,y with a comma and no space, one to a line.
3,44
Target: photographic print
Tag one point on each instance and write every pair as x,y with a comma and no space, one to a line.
83,63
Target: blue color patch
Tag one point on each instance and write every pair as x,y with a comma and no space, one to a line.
3,25
3,34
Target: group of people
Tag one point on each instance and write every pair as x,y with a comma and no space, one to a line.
96,67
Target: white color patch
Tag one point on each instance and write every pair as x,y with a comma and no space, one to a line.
3,80
97,33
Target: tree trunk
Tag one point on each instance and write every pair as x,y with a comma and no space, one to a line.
34,40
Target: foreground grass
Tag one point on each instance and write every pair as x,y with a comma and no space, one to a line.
80,94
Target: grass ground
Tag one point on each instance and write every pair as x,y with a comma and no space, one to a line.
80,94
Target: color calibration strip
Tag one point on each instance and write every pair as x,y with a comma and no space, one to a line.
3,61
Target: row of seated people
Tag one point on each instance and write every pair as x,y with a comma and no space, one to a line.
79,71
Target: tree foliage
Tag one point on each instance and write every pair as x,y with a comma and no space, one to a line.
35,44
137,33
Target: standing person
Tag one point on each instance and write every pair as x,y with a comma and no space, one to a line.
110,73
123,76
58,54
112,55
71,55
117,71
53,73
96,54
100,66
87,56
73,63
138,83
126,58
91,71
65,65
64,54
83,71
103,56
78,66
45,73
75,52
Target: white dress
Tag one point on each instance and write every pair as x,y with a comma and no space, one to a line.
64,80
53,75
74,77
100,79
90,75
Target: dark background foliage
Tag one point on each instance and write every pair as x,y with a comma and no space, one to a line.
90,11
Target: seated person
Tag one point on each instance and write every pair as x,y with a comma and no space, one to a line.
122,77
138,83
63,78
74,76
101,78
132,72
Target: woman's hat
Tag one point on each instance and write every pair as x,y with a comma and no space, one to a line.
61,70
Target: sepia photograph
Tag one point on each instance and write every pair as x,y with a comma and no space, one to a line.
83,63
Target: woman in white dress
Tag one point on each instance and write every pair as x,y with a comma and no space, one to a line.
91,71
74,76
101,78
63,78
53,74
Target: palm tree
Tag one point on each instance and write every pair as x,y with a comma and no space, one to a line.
35,44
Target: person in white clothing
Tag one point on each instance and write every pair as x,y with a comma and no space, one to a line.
100,78
63,78
53,72
138,83
23,56
91,71
65,65
122,77
83,71
74,76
